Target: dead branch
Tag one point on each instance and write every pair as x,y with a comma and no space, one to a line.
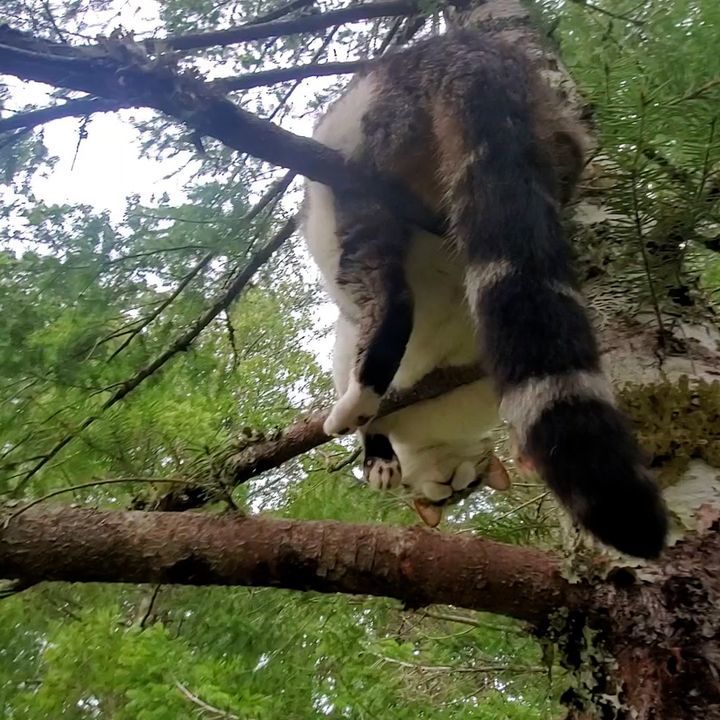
281,28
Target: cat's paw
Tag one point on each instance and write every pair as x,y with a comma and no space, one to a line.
468,476
381,474
438,488
354,409
465,477
431,487
433,490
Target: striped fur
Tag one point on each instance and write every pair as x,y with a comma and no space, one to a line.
467,124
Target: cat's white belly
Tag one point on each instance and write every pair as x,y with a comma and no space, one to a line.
431,438
443,332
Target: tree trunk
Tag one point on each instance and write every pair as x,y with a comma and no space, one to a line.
655,655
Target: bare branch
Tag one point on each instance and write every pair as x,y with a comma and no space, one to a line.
415,565
205,707
281,28
139,82
463,668
288,9
81,107
189,277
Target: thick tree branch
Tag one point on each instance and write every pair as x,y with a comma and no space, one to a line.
280,28
240,463
83,107
415,565
121,72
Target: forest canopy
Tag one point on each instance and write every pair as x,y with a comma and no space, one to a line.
151,334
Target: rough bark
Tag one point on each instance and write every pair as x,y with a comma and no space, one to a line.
652,653
657,648
416,565
644,642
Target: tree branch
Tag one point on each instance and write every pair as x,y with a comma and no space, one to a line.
161,307
240,463
281,11
71,108
123,73
415,565
83,107
298,72
281,28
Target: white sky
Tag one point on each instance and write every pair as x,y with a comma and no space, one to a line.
108,166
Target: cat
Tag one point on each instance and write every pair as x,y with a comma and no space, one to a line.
466,122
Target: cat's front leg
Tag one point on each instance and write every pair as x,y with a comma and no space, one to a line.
371,273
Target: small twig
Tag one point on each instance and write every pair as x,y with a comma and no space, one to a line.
231,339
535,499
317,55
349,460
150,607
51,20
464,620
189,277
202,704
697,92
461,668
641,235
609,13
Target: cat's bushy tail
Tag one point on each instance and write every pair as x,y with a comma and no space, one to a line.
504,190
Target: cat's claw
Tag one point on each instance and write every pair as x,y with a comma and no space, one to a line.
382,474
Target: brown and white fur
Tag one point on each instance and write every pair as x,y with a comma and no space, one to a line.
465,122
